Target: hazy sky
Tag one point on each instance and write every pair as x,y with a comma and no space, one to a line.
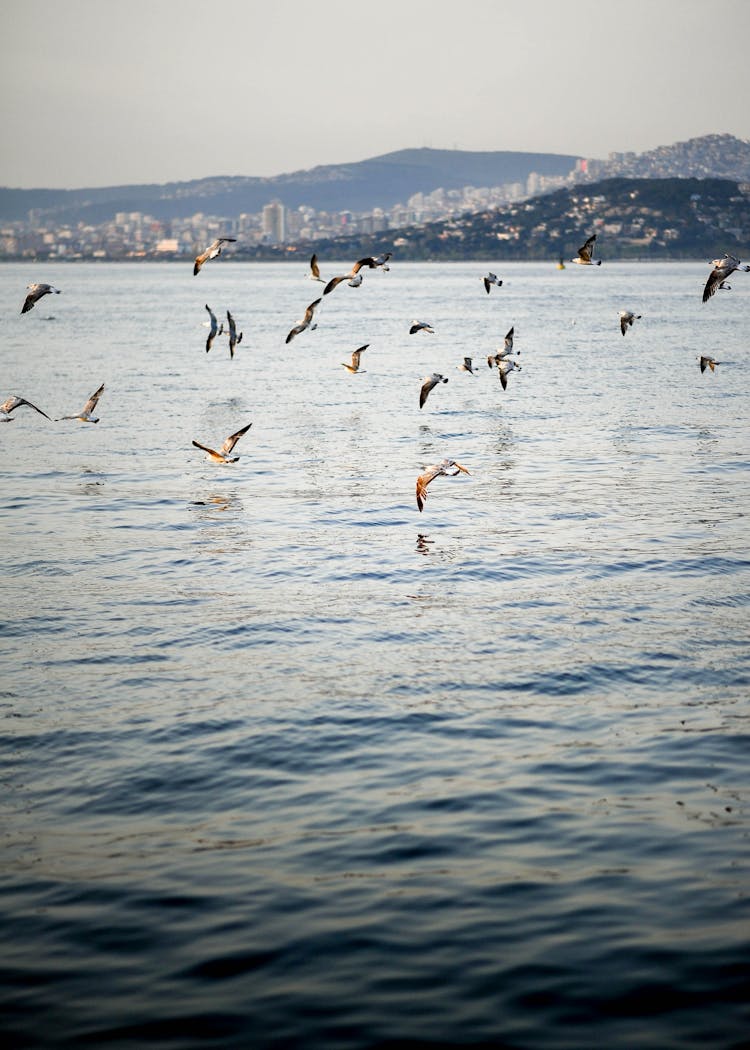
98,93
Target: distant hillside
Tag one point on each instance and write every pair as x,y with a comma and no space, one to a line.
633,218
379,182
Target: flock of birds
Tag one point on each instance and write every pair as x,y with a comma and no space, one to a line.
504,360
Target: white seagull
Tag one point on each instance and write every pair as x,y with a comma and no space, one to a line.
356,354
306,322
354,277
234,339
489,280
505,353
506,366
584,254
381,261
223,455
13,402
466,366
722,268
626,318
421,326
439,470
85,414
215,328
428,383
211,252
36,291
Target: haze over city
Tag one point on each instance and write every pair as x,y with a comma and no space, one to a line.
95,95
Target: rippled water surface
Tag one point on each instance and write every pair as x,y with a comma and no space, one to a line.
286,762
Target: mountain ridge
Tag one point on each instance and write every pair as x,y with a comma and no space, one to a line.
380,181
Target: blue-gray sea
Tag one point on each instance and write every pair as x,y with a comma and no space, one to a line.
286,763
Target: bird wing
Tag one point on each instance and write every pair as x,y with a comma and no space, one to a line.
367,261
503,377
311,310
212,315
587,250
314,268
717,275
423,481
232,440
205,448
356,354
333,283
624,322
486,285
427,385
199,261
17,401
509,340
295,331
91,403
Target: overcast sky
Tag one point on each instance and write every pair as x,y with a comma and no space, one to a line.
96,93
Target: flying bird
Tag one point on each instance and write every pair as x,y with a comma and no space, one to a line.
722,268
708,362
504,368
502,355
85,414
354,277
234,339
466,366
626,318
427,385
223,455
356,354
440,470
36,291
306,322
215,328
489,280
421,326
381,261
314,274
584,254
11,403
211,252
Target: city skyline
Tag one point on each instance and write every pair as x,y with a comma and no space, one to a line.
96,96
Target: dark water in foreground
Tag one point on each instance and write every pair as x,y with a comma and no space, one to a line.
286,763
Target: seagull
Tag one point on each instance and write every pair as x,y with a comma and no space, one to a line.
223,456
36,291
211,252
354,277
354,366
440,470
585,253
421,326
466,366
306,322
216,329
722,268
85,414
428,384
504,354
381,261
14,402
506,366
626,318
489,280
708,362
314,274
234,339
